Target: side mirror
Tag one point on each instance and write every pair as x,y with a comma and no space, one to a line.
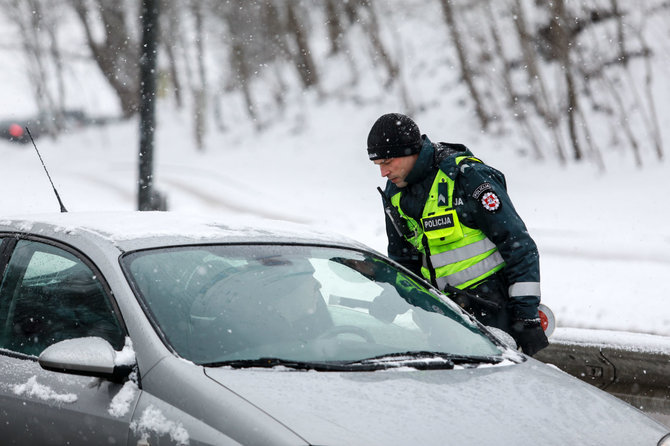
90,356
505,338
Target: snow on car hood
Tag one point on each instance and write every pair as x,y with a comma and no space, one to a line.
524,404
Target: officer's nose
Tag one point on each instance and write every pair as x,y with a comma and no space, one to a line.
384,170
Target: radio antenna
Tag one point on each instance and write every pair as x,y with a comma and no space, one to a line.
62,207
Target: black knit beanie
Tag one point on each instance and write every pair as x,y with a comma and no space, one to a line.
393,135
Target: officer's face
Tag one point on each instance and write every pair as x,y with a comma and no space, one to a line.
397,169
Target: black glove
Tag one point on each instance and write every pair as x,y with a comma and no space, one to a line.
529,335
388,305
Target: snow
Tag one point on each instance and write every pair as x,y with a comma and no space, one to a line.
638,342
153,420
34,389
120,404
126,356
120,226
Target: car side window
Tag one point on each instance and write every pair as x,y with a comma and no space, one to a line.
48,295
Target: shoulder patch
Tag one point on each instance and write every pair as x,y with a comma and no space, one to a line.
490,201
481,189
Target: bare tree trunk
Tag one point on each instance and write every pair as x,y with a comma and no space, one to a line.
51,118
649,118
370,24
652,121
334,25
233,15
170,33
27,16
118,54
340,19
623,121
621,35
200,91
512,95
539,94
573,107
275,32
466,71
597,154
658,141
562,48
174,75
405,96
51,28
303,55
243,71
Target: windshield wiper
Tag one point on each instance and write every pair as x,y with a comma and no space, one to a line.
420,360
292,364
424,360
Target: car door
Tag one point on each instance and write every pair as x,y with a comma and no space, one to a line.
50,293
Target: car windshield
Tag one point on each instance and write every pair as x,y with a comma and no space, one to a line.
230,303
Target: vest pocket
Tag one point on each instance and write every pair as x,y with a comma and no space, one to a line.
444,226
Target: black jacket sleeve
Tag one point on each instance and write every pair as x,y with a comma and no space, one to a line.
488,207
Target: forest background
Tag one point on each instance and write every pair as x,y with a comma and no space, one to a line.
556,73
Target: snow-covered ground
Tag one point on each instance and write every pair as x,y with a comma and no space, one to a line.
604,239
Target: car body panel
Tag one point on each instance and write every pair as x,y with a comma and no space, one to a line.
156,422
504,404
43,407
177,383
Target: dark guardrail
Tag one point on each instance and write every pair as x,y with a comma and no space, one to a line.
631,366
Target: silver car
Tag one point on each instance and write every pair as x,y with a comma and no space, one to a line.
164,329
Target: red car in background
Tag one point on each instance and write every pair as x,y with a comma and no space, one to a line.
43,124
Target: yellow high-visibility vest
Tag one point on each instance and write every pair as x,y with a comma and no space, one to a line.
452,253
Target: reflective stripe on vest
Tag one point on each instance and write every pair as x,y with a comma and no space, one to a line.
452,252
462,253
469,274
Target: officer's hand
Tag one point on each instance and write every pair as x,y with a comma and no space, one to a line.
388,305
529,335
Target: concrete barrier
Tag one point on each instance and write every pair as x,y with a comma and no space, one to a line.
631,366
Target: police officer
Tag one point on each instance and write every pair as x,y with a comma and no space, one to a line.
450,220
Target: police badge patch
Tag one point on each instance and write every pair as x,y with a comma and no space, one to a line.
490,201
481,189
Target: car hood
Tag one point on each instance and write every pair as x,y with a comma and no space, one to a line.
522,404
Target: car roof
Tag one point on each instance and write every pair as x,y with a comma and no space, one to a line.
132,230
